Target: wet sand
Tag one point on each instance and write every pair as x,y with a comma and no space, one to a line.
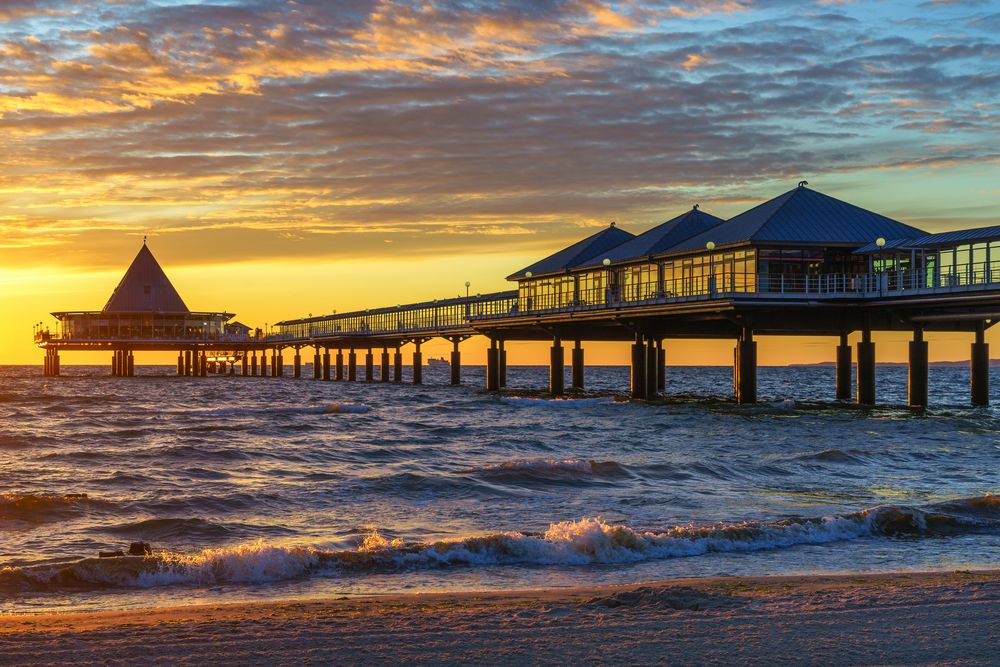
950,618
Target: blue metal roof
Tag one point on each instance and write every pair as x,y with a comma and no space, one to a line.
659,239
803,216
581,251
955,237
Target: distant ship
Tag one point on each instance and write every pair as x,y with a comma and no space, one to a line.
438,362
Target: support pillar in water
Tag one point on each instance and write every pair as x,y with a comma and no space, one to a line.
502,361
979,368
369,366
326,364
57,362
746,367
651,359
352,365
661,367
279,363
866,369
203,364
180,363
493,366
916,384
253,362
397,366
637,382
297,364
130,365
114,364
578,367
243,365
557,369
844,363
456,363
418,364
383,374
263,363
317,366
339,370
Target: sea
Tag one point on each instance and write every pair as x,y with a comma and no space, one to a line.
283,488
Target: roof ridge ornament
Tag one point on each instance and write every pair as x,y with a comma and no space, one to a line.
613,223
696,207
803,184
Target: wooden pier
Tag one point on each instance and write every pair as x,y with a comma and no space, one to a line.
802,264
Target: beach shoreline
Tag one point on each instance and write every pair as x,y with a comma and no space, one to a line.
939,617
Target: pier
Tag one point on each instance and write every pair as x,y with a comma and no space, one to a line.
801,264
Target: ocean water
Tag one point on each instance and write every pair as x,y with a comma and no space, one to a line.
250,488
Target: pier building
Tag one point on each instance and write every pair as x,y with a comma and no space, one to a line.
145,312
803,263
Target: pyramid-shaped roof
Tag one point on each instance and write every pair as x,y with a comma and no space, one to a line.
661,238
578,253
803,216
145,288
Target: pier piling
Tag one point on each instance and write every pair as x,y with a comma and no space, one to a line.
326,364
866,369
383,375
844,363
637,379
493,367
746,367
253,363
418,364
652,359
352,366
297,364
557,369
578,367
502,362
661,366
369,366
130,365
916,386
339,371
244,364
317,365
456,363
397,365
979,368
180,363
263,363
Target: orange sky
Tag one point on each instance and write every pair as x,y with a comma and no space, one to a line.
288,158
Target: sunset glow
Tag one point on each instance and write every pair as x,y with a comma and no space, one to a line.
300,157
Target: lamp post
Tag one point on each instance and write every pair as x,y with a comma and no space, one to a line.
710,246
467,285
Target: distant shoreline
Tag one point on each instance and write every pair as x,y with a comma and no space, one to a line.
897,618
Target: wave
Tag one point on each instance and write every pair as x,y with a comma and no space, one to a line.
584,542
331,409
32,508
551,471
558,402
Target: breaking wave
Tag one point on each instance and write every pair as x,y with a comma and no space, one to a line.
551,471
584,542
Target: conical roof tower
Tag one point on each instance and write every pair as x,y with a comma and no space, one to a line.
145,288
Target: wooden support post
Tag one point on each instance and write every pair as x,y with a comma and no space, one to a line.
369,366
203,364
661,366
557,369
383,374
317,366
418,364
326,364
279,363
195,363
263,363
130,365
297,364
746,367
339,370
456,363
253,362
397,366
578,365
844,364
637,383
979,368
493,366
55,360
651,359
352,365
45,363
916,385
244,364
180,363
866,369
502,364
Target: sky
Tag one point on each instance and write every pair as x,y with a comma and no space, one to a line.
288,158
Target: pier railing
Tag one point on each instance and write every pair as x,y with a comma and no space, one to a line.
461,315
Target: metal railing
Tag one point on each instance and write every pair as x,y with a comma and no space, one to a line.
451,316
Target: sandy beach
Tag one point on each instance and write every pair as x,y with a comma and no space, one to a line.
950,618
